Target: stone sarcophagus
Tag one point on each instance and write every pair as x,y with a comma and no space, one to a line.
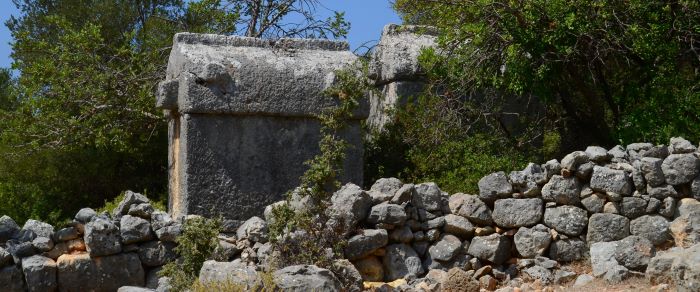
242,123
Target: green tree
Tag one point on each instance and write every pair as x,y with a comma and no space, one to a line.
613,71
83,125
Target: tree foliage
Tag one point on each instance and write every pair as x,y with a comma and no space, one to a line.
81,125
614,71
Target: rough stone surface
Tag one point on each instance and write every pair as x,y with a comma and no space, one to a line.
350,205
532,242
512,213
679,266
494,186
562,190
678,145
39,228
370,268
40,273
597,154
655,228
365,243
680,168
494,248
651,168
686,229
8,228
446,248
384,189
79,272
130,198
156,253
11,279
567,250
607,227
458,225
254,229
401,260
458,280
603,257
633,207
229,272
634,252
568,220
475,210
306,278
572,160
388,214
134,229
611,181
428,196
594,203
102,237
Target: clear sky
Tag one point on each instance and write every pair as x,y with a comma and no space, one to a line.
367,18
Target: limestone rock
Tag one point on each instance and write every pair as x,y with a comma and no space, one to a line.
494,248
365,243
156,253
79,272
39,228
428,196
607,227
401,260
686,229
350,205
40,273
494,186
594,203
348,275
633,207
568,220
446,248
475,210
11,279
135,229
611,181
634,252
254,229
458,225
571,161
680,168
597,154
680,266
655,228
563,191
388,214
532,242
143,210
661,192
102,237
678,145
84,215
512,213
8,228
567,250
306,278
651,168
130,198
229,272
384,189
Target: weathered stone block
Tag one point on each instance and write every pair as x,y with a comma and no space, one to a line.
79,272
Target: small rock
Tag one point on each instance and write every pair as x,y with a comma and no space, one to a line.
678,145
66,234
365,243
494,186
85,215
384,189
350,205
348,275
130,198
253,229
651,168
446,248
634,252
686,229
512,213
567,250
8,228
633,207
229,272
156,253
597,154
475,210
661,192
540,273
143,210
583,280
42,244
668,207
571,161
428,196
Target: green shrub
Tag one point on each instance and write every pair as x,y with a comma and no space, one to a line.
195,245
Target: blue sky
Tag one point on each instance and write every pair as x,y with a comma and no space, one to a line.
367,17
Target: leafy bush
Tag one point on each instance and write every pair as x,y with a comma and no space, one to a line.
195,245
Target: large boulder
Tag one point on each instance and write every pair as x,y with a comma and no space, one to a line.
513,213
365,243
598,154
302,278
40,273
568,220
428,196
655,228
474,209
135,229
229,272
680,168
611,181
387,213
678,145
677,265
400,261
494,186
80,272
532,242
11,279
634,252
102,237
607,227
562,190
350,205
494,248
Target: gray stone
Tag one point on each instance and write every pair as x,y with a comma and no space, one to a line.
618,153
384,189
396,56
616,274
563,191
238,142
686,206
571,161
563,276
130,198
603,258
80,272
348,275
494,186
668,207
678,145
611,181
134,289
594,203
143,210
680,168
436,223
402,234
160,219
583,280
532,242
678,266
661,192
695,188
169,233
633,207
640,183
634,252
387,213
400,261
135,229
445,249
568,220
5,257
102,237
40,273
584,171
20,250
156,253
551,168
11,279
653,205
253,229
652,227
686,229
403,194
39,228
306,278
428,196
229,272
512,213
350,205
475,210
85,215
651,168
540,273
42,244
365,243
567,250
458,225
25,235
607,227
494,248
597,154
8,228
658,151
66,234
